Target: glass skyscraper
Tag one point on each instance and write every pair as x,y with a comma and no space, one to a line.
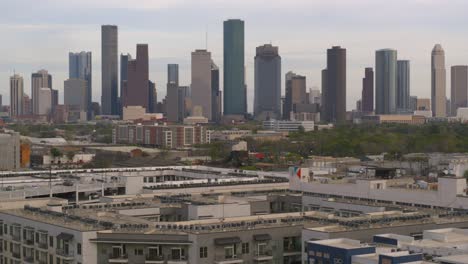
385,81
80,67
235,96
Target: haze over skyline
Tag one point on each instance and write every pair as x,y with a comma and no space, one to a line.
41,37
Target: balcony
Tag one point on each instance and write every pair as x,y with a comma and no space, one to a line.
118,258
228,260
29,242
16,237
29,259
263,255
65,254
16,255
42,245
154,259
177,260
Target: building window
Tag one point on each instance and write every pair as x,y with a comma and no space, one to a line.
78,248
203,252
245,248
138,251
51,241
230,252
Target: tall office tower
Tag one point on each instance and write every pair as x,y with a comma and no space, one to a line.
152,97
124,58
315,96
40,79
172,103
438,82
324,76
173,73
44,101
459,88
413,103
215,94
267,100
367,99
55,98
27,105
235,99
109,70
287,106
335,96
201,82
75,94
295,93
385,81
136,89
403,86
16,95
80,67
1,102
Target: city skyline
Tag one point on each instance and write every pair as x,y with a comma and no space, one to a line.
305,56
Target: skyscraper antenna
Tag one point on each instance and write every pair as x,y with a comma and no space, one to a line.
206,38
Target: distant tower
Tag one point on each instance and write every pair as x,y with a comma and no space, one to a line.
335,96
16,95
403,85
136,91
235,99
438,82
40,79
367,100
267,82
459,88
109,70
80,67
385,81
173,73
201,82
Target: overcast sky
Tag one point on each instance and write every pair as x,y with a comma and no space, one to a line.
39,34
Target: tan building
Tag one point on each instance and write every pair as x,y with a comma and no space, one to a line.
44,101
10,151
40,79
201,82
139,113
395,119
423,104
438,81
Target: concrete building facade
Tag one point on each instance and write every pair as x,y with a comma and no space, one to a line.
201,82
10,151
75,94
44,101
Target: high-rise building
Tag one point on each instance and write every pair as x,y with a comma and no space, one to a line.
55,98
367,99
44,101
80,67
385,81
10,151
173,73
267,101
413,103
235,99
75,94
323,106
172,103
459,88
335,96
27,105
16,95
152,97
201,82
40,79
216,95
136,88
109,70
403,86
315,96
438,82
296,94
124,58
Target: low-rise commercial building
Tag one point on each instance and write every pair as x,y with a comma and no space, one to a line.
289,126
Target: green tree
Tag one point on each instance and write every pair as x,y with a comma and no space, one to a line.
55,152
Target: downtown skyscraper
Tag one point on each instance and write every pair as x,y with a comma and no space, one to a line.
438,82
459,88
334,98
39,80
235,95
385,81
16,95
403,86
201,82
173,73
367,99
267,101
109,69
80,67
136,88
